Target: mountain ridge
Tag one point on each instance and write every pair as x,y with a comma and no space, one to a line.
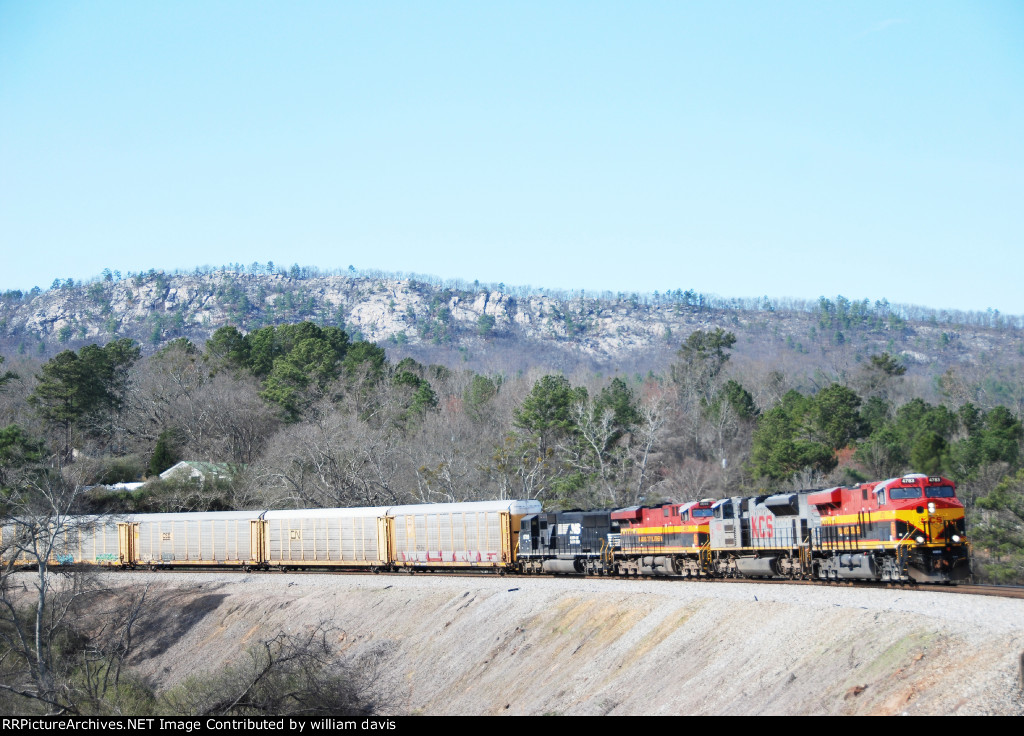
409,314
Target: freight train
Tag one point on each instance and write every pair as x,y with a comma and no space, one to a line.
907,529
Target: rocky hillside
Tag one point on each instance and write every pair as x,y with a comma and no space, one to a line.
429,319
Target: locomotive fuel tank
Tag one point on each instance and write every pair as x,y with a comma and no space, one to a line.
757,567
662,565
857,567
564,567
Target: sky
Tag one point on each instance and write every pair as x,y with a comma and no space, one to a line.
788,149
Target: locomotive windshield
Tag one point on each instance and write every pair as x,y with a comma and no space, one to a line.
701,513
907,492
940,492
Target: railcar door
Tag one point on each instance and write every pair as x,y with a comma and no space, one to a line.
126,543
259,542
508,534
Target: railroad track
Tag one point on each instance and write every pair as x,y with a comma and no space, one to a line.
998,591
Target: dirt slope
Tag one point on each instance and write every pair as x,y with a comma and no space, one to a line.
519,646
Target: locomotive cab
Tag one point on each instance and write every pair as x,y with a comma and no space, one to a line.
726,526
901,529
931,520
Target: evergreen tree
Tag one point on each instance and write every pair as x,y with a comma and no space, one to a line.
165,454
705,352
833,413
72,387
477,394
547,410
7,376
64,393
17,450
785,442
929,453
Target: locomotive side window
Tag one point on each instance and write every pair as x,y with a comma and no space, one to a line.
902,493
881,497
940,492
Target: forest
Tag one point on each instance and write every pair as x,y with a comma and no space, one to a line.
300,415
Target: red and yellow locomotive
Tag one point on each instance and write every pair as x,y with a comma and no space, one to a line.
663,540
906,528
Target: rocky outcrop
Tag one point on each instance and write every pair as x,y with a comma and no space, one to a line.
155,307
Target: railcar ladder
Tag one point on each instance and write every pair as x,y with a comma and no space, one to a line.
705,558
608,555
903,560
806,568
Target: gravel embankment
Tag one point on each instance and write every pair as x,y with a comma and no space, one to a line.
489,645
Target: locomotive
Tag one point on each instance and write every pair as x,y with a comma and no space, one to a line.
906,529
909,527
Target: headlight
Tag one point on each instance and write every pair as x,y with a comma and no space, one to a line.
955,537
931,507
920,539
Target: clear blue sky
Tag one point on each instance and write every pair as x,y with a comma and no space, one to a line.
870,149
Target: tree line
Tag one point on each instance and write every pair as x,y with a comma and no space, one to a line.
306,416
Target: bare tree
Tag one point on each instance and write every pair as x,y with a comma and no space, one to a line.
647,436
338,458
287,675
220,418
54,657
451,452
594,454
